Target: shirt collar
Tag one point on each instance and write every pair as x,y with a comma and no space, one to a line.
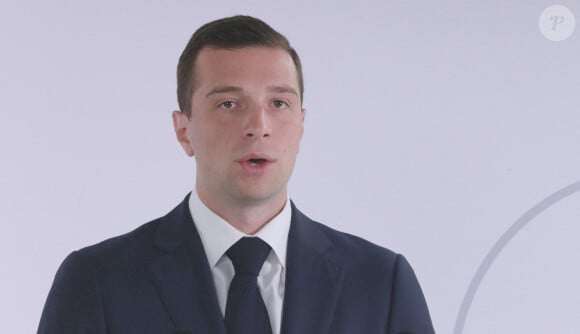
217,235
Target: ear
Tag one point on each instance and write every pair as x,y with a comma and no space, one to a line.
181,126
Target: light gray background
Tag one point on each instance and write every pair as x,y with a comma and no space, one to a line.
432,127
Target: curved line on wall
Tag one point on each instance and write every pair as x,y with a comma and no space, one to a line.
500,245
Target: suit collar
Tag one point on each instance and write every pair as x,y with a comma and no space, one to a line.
313,280
183,279
182,276
175,228
217,235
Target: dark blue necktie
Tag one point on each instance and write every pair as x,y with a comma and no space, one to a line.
245,309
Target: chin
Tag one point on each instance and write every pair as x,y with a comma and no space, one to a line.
258,196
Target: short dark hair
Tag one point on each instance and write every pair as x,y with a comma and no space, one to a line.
228,33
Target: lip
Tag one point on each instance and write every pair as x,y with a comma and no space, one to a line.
253,168
250,156
256,156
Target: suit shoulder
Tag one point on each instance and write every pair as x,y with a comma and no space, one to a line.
350,247
130,251
92,274
122,243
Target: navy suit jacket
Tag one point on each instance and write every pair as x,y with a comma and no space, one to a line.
156,279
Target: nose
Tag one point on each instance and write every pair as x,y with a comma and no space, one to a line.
257,124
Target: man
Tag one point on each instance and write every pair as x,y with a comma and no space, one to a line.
240,92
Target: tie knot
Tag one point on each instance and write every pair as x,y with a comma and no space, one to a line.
248,255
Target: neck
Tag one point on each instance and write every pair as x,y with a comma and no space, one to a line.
246,216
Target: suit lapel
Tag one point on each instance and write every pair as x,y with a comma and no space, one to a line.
182,275
312,280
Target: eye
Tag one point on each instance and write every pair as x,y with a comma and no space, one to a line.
227,105
280,104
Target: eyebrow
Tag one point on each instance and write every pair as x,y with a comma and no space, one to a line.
224,89
236,89
283,89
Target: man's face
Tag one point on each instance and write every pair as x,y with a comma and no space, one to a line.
246,123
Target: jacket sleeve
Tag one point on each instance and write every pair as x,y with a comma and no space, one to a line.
408,312
74,304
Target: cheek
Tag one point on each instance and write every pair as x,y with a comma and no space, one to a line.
293,137
203,130
200,141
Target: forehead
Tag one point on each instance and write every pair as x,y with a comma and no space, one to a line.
245,66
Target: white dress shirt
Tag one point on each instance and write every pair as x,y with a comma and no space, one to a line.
217,236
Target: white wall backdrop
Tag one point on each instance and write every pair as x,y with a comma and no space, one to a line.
433,125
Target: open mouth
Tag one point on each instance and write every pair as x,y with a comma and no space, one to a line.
256,162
